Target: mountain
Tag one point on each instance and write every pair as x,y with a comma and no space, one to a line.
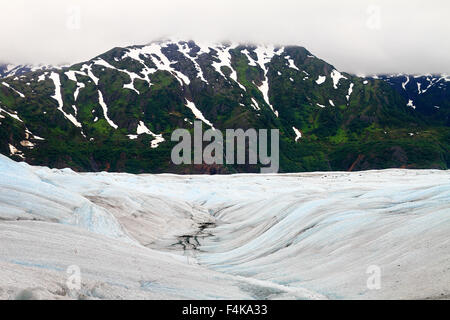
116,112
9,70
428,94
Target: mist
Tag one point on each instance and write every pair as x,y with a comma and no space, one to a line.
357,36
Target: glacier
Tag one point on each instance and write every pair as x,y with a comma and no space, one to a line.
247,236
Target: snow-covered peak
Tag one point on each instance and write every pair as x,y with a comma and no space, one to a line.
10,70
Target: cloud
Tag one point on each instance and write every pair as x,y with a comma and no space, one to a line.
354,35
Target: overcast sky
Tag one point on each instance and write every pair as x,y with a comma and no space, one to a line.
358,36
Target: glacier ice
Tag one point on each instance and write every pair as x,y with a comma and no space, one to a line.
288,236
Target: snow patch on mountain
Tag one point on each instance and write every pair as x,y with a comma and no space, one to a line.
255,104
350,90
102,103
132,75
162,63
90,74
13,151
17,92
80,86
336,76
58,97
411,104
12,115
184,49
321,79
142,129
298,134
265,55
197,113
291,63
11,70
71,75
224,57
42,77
405,83
252,62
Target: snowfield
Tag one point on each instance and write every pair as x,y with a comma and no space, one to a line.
291,236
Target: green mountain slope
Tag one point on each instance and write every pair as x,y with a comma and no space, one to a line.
117,111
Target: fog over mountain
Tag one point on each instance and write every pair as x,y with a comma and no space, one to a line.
224,150
356,36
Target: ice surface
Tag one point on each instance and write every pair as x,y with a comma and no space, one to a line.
291,236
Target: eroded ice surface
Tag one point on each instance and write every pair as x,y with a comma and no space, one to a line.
293,236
